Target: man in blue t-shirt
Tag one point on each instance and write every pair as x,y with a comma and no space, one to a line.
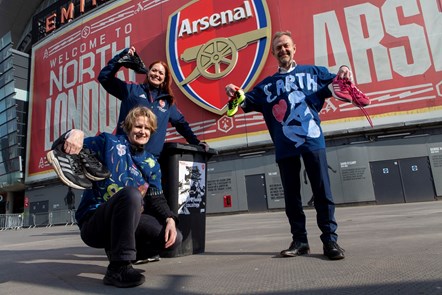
290,101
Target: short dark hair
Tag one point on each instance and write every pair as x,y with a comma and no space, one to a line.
281,33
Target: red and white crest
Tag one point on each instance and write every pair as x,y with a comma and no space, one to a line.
214,43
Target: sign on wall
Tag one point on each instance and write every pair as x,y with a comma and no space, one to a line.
191,187
393,48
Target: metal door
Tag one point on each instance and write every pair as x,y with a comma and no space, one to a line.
256,193
417,179
39,213
387,182
403,180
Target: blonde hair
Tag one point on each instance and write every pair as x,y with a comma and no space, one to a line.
136,112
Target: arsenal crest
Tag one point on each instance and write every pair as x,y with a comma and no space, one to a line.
213,43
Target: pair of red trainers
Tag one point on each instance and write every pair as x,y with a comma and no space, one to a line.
345,90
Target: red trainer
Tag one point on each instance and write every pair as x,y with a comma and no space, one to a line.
345,90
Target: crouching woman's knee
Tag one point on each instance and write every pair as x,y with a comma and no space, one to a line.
130,197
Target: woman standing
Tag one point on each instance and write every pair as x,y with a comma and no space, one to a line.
154,93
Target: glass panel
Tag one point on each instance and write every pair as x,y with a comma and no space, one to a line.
10,101
6,52
2,168
12,138
11,114
2,118
12,126
13,152
9,88
8,76
3,129
14,165
6,39
2,103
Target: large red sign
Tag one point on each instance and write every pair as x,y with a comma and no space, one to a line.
393,48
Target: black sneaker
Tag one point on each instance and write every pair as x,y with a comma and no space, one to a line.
133,62
123,277
333,251
93,169
69,169
296,248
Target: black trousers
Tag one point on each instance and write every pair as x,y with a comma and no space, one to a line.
123,231
317,170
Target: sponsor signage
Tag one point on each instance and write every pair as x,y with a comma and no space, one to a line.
60,14
393,48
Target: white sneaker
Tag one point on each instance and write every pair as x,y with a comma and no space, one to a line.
150,259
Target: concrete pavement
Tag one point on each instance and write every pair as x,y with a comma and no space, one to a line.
390,249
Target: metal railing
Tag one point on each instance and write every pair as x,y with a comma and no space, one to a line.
58,217
45,219
11,221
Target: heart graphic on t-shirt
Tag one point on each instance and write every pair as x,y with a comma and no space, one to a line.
279,110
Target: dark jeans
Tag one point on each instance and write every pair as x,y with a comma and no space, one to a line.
317,170
119,227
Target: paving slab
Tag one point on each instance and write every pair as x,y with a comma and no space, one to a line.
390,249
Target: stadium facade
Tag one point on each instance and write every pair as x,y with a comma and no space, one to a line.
393,48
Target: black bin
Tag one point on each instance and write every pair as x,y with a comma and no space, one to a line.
184,177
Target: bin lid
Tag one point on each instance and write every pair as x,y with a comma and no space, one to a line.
182,147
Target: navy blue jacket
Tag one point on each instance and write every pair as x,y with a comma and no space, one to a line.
128,167
133,95
290,104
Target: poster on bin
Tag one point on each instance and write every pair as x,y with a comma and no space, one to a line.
393,48
191,187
